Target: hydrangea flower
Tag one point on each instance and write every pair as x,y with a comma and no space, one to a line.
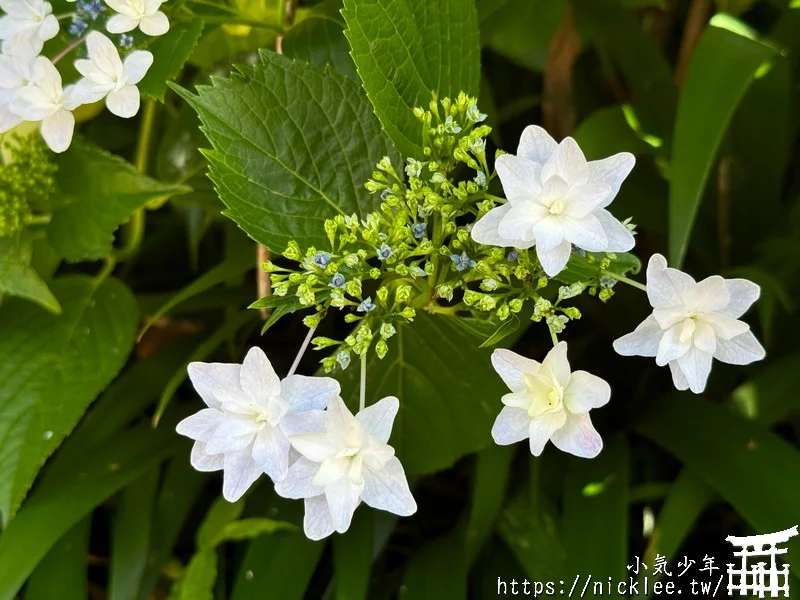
251,412
462,261
43,99
143,14
347,462
555,199
384,252
338,282
548,402
31,19
366,306
693,322
16,69
321,259
105,75
418,229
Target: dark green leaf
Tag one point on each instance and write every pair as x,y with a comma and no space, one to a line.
63,573
579,269
438,570
18,278
509,326
407,51
293,145
218,516
170,53
352,557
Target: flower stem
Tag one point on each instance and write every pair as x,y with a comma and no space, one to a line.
553,336
362,397
68,48
624,279
301,352
66,16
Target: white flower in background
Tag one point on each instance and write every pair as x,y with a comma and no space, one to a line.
693,322
30,19
556,199
16,69
143,14
106,76
346,462
548,402
44,100
251,412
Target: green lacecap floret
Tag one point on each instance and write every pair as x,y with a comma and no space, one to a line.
26,183
416,252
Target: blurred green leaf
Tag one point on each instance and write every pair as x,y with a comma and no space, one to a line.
580,269
63,571
754,470
438,570
18,278
608,131
723,66
407,51
197,580
352,558
247,529
279,179
52,367
96,192
772,392
170,53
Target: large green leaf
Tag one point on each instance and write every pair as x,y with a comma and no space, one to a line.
170,53
352,557
97,192
18,278
449,394
723,66
52,367
407,50
63,573
293,145
757,472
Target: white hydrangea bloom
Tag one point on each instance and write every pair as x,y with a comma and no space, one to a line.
693,322
548,402
43,99
556,199
251,412
344,463
143,14
106,76
16,69
31,19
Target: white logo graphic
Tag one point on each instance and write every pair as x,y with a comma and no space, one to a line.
758,578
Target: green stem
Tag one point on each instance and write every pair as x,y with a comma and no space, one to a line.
553,336
362,396
38,220
107,269
302,351
624,279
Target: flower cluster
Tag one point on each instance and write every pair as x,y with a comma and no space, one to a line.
26,184
31,88
300,433
429,246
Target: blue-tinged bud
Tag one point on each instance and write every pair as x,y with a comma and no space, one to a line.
419,229
321,259
384,252
366,306
338,281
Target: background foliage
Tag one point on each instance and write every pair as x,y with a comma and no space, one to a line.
97,323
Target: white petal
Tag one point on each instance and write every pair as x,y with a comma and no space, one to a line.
271,452
725,327
10,76
512,425
512,368
343,499
520,178
542,428
519,222
741,350
619,238
548,232
331,470
578,436
231,435
664,285
709,295
582,199
485,230
201,425
378,418
612,171
48,28
32,104
121,6
586,233
704,338
585,392
298,480
642,341
536,145
203,461
8,120
314,446
206,377
742,294
46,77
122,23
136,65
568,162
240,472
388,490
87,91
556,361
257,377
696,366
678,378
158,24
104,55
553,261
307,421
124,102
57,130
317,522
338,417
309,393
671,347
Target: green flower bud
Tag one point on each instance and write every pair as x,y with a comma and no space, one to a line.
486,303
293,252
401,269
570,291
387,330
382,294
445,291
353,287
542,282
503,312
572,312
323,342
281,289
351,318
605,294
374,273
408,313
471,297
328,363
305,295
516,305
330,229
489,285
381,349
351,260
312,321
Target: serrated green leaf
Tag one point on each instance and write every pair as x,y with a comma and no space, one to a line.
293,145
449,394
723,66
18,278
170,53
52,367
96,192
407,51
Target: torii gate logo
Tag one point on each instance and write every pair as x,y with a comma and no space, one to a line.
760,579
